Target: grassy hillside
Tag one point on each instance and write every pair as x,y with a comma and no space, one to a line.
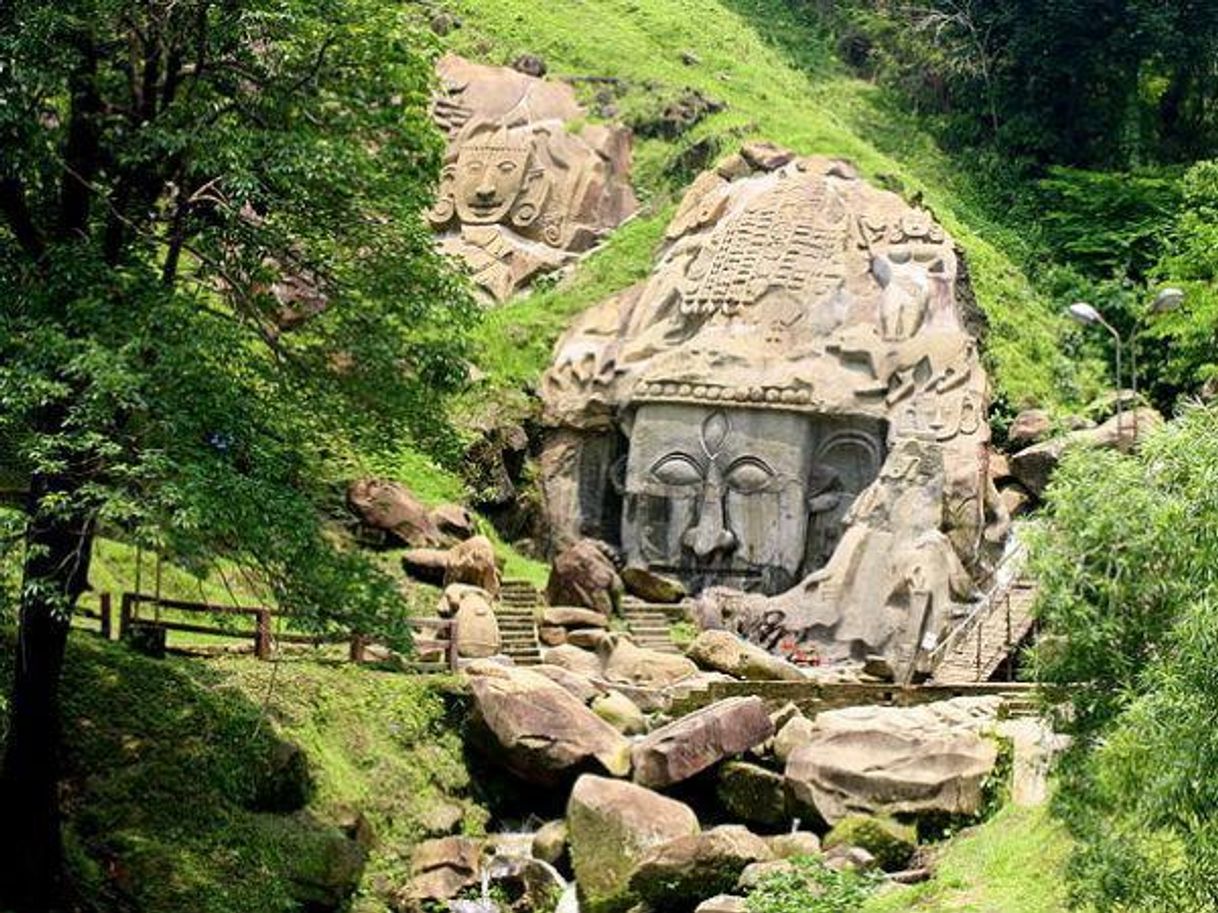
775,72
182,791
1011,864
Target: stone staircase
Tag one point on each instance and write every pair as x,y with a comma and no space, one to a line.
976,650
649,623
516,613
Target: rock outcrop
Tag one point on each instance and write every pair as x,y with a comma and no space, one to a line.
584,574
473,562
723,651
679,874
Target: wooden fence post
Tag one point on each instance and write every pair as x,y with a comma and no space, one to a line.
452,646
262,634
358,643
105,610
125,613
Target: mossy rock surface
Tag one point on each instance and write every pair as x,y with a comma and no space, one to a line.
890,842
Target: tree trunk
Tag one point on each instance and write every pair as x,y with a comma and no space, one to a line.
31,848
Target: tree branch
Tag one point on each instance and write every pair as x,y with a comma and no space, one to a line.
81,152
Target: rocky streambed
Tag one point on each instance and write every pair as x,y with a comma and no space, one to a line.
646,810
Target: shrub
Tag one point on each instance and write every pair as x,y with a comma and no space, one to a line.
812,887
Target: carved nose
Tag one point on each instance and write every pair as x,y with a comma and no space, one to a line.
710,535
485,192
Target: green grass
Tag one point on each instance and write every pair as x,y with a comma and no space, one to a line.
777,75
169,783
1011,864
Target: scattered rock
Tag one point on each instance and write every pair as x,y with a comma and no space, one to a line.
581,662
427,565
552,636
393,508
703,738
539,730
850,859
1029,427
723,903
454,520
613,825
626,662
1015,498
765,156
690,59
285,784
620,712
530,65
891,843
677,875
584,574
797,843
795,733
578,685
440,869
586,638
1034,466
678,116
723,651
652,587
571,617
1000,466
752,793
550,844
473,562
444,23
330,885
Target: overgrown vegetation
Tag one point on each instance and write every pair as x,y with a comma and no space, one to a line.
1128,567
812,887
229,786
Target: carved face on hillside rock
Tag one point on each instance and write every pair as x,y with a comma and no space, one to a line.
520,194
791,407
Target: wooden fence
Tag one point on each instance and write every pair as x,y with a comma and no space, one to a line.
432,635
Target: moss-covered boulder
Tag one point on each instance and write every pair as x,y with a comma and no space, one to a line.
890,842
680,874
612,827
752,793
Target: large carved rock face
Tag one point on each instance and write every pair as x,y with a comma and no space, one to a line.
520,193
792,407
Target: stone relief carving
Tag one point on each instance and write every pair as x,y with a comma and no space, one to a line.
521,193
803,410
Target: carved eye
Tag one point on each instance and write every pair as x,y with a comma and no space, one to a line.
748,475
475,167
677,469
507,167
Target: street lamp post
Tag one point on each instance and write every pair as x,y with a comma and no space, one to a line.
1169,299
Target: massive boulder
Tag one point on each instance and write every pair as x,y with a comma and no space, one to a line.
651,587
679,874
723,651
753,793
896,761
700,740
473,562
391,507
427,565
792,405
612,826
523,191
538,730
584,574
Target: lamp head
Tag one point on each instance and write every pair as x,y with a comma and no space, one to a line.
1084,313
1169,299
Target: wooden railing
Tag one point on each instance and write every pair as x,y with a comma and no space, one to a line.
442,632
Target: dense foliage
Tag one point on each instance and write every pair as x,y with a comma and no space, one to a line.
1128,565
215,281
810,886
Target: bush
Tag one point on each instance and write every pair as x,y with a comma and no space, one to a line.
1128,568
812,887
